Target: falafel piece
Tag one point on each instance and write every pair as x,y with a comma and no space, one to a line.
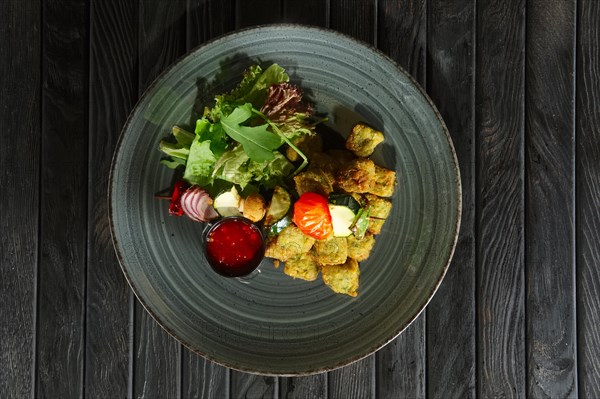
357,176
385,182
380,209
332,251
291,243
342,279
308,144
315,181
254,207
305,267
363,139
360,249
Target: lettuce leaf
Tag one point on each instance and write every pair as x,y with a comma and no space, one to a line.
200,163
252,89
205,130
236,167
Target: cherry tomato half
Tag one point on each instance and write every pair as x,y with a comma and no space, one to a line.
311,215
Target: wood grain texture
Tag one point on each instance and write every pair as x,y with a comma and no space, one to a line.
252,386
19,178
354,381
356,18
162,39
402,34
451,336
500,209
113,92
314,387
550,195
257,12
401,365
310,12
202,378
62,271
207,19
588,197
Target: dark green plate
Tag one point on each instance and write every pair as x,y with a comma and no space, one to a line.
277,325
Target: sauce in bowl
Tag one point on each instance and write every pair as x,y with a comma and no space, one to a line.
234,246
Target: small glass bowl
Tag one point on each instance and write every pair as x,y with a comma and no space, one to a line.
220,256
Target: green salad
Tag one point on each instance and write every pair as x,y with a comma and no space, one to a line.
238,141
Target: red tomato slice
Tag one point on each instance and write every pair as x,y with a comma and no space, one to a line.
311,215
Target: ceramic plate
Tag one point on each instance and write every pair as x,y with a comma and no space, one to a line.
277,325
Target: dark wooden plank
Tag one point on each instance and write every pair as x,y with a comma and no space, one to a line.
451,313
402,34
310,12
63,199
401,364
354,381
257,12
19,178
499,208
251,386
208,19
113,92
356,18
588,197
162,39
550,189
202,378
314,387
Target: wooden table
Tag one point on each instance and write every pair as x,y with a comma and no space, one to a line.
518,84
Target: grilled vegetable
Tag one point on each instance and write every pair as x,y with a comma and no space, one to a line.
279,206
311,215
228,203
345,200
280,225
342,218
361,224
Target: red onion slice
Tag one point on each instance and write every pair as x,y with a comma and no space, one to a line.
197,205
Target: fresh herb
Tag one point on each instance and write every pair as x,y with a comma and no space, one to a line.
258,142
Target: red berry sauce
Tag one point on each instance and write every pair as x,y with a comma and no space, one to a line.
234,247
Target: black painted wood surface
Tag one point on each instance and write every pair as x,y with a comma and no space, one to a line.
518,84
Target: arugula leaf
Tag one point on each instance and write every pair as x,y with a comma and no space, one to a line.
200,163
258,142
